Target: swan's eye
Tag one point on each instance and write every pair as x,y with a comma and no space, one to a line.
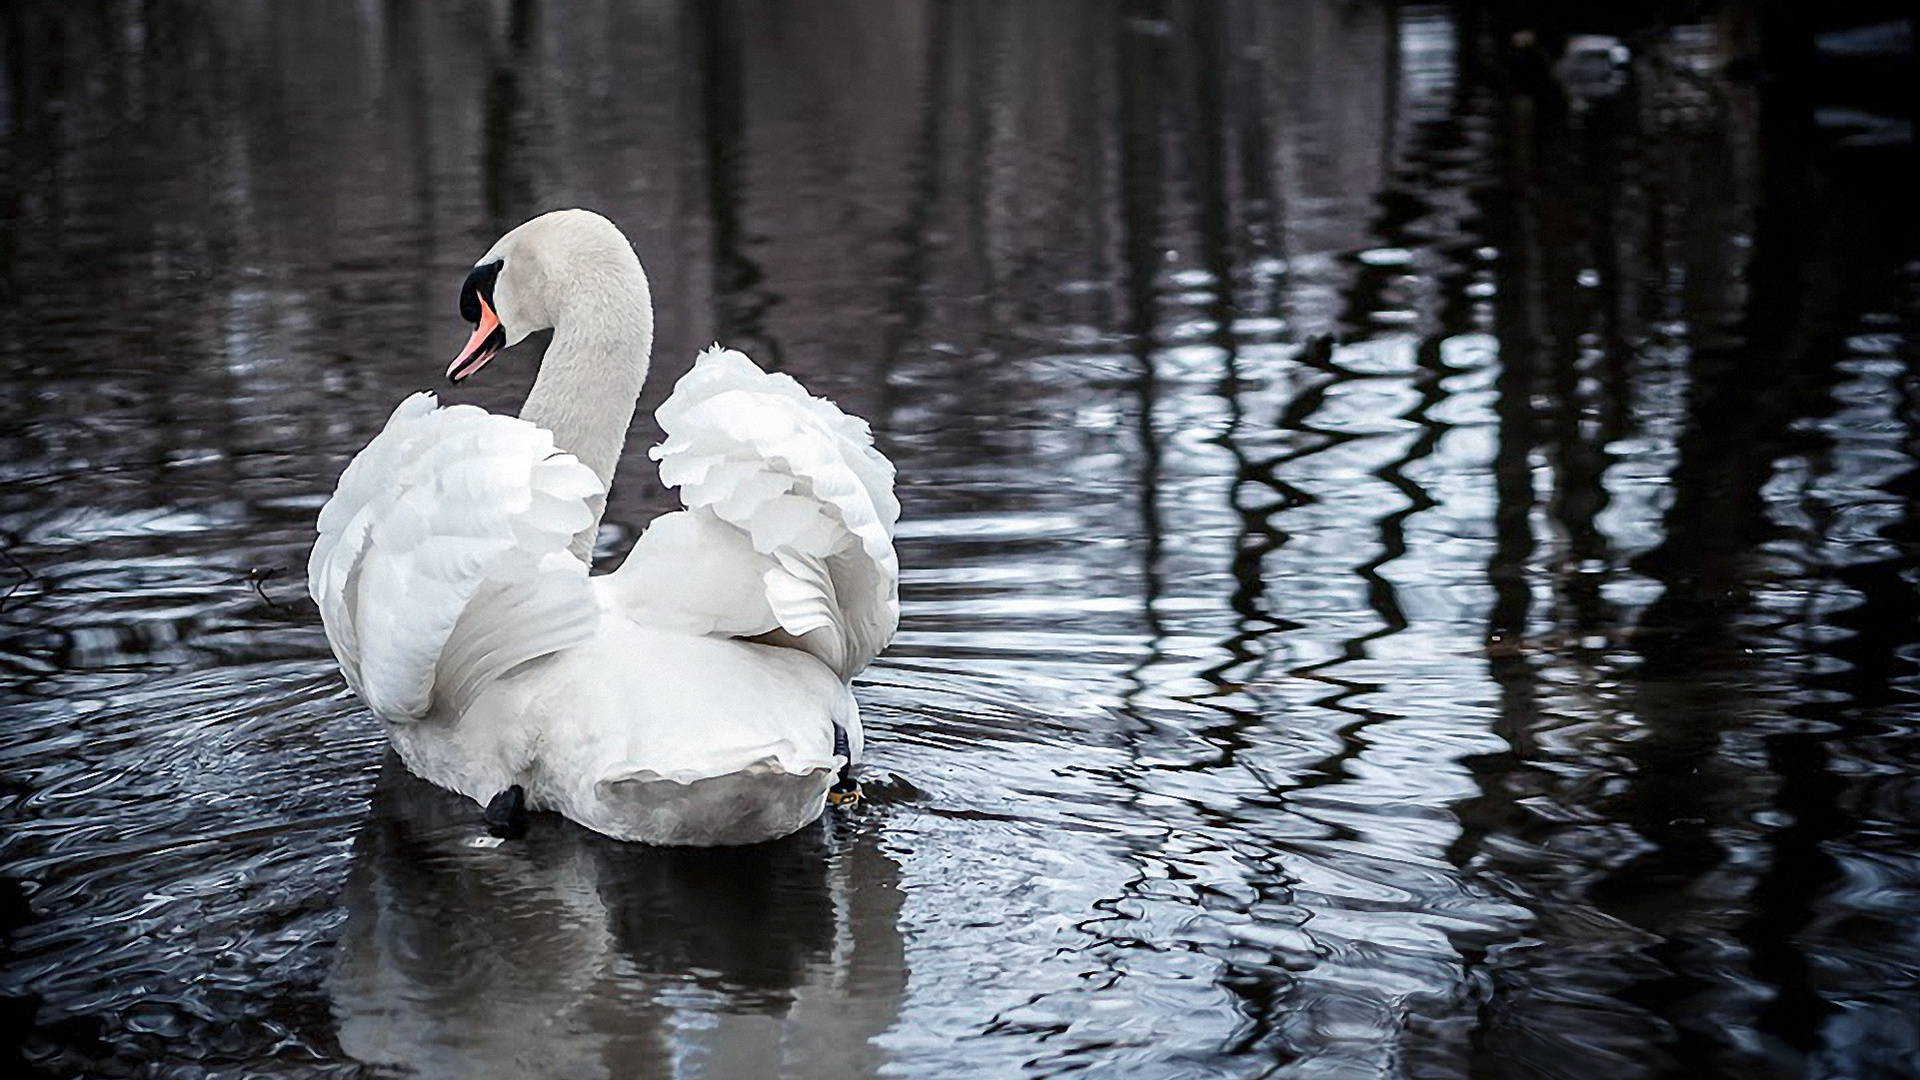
479,284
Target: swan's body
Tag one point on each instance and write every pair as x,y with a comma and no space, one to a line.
451,571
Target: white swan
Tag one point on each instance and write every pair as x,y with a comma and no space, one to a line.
696,695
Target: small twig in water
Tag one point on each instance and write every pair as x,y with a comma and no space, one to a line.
258,579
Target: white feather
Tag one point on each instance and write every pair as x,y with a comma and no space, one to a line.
802,483
442,560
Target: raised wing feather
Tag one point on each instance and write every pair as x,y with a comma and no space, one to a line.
443,556
804,487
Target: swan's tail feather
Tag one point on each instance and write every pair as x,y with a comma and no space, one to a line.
802,482
759,800
443,556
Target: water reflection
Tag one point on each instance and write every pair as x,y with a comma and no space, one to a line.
572,956
1408,539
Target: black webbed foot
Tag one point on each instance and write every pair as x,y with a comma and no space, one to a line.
506,816
845,791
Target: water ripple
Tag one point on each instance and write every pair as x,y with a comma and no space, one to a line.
1407,545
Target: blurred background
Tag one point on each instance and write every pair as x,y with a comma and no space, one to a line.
1408,540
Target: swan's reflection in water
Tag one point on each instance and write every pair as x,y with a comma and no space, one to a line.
568,955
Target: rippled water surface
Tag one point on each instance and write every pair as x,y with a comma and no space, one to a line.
1408,538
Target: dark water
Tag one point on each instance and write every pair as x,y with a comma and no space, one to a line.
1408,543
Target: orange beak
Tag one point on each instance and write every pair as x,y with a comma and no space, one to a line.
488,338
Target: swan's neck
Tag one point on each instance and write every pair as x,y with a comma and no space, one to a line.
590,379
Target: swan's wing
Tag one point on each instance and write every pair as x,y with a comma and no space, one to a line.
443,556
787,488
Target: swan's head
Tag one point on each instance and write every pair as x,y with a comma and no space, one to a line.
534,276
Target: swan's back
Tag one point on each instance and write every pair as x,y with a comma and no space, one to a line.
443,558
